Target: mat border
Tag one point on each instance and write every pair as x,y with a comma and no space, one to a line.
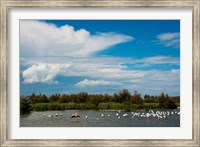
5,5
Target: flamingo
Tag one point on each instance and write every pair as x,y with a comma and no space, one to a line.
50,116
148,115
75,115
125,114
168,113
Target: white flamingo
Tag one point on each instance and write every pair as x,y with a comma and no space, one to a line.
125,114
50,116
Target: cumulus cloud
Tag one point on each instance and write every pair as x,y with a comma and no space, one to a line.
92,83
43,39
43,73
169,39
46,72
112,69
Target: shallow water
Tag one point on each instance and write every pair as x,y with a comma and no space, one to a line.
37,119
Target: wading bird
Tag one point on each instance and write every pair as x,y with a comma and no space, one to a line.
75,115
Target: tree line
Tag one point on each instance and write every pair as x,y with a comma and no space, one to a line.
122,100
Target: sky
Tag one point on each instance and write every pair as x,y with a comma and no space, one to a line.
99,56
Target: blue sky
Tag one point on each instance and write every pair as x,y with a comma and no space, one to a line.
99,56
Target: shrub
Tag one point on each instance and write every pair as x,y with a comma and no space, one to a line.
70,105
116,106
103,106
151,106
25,105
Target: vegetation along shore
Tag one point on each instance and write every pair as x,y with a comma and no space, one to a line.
123,100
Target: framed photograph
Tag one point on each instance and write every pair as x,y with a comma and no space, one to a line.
100,73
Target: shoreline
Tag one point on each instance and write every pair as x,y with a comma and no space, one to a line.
107,110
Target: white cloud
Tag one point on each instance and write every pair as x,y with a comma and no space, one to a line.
159,60
102,41
42,39
170,39
43,73
106,68
74,49
168,36
102,72
175,71
92,83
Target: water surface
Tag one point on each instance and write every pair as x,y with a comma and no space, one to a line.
95,119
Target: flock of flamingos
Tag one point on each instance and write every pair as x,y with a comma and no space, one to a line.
119,114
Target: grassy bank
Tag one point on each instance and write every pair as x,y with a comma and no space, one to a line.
89,106
123,100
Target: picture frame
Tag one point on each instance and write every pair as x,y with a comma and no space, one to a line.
8,4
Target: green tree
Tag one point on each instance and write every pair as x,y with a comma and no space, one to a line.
161,100
54,98
170,105
64,98
25,105
136,98
82,97
124,95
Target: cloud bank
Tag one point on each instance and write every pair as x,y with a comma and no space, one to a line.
102,71
38,38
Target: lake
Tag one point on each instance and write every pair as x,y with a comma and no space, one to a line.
92,118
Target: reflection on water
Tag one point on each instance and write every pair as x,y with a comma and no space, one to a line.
91,118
